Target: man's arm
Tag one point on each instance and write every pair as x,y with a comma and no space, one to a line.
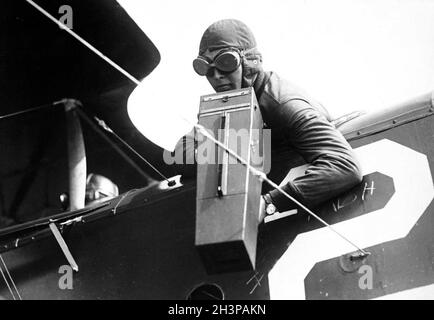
333,167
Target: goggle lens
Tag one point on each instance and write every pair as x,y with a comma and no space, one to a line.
225,62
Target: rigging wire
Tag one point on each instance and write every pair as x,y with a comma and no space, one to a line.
87,44
18,113
103,125
7,283
11,279
100,123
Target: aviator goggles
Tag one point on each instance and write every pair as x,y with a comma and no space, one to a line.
226,62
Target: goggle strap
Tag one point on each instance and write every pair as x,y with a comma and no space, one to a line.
240,52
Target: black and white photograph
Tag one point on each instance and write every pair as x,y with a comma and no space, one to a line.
225,150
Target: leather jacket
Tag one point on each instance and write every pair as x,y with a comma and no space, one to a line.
300,128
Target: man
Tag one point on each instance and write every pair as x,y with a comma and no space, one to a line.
229,59
98,189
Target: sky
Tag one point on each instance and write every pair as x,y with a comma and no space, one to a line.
351,55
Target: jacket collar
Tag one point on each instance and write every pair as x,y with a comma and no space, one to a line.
259,83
